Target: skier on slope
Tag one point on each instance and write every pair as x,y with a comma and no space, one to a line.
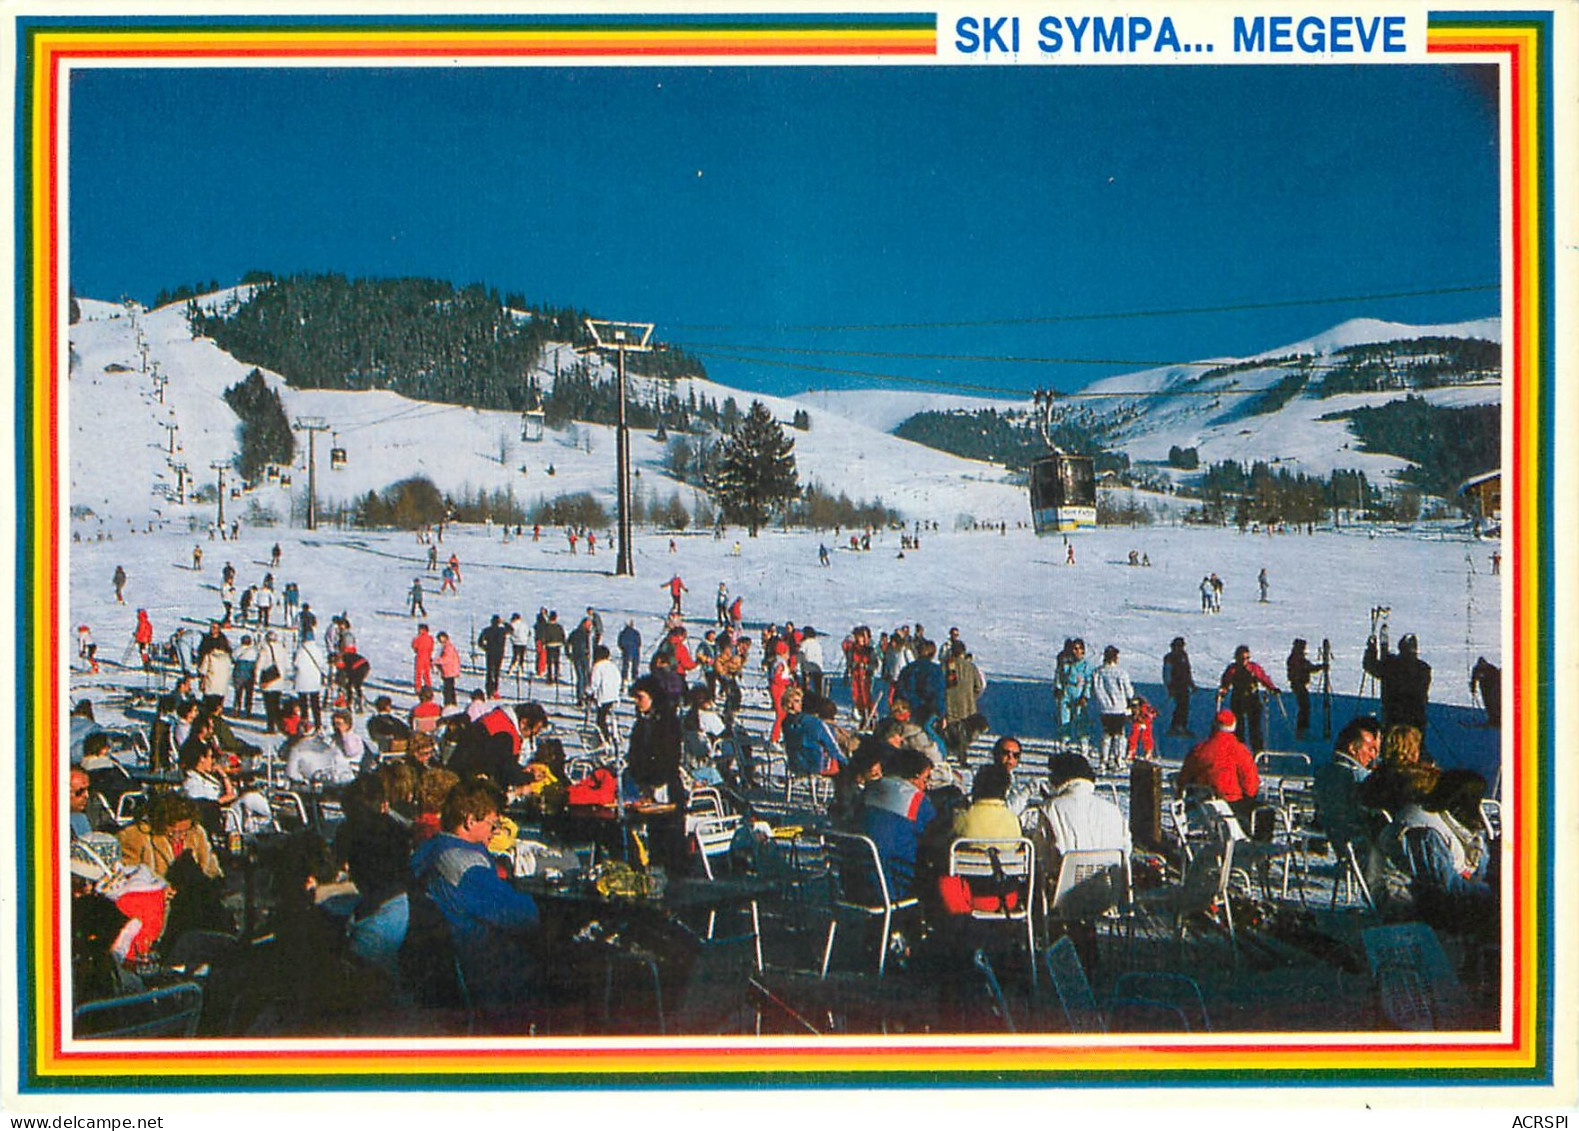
1300,669
1241,684
676,587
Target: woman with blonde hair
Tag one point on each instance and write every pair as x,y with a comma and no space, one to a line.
432,789
1401,746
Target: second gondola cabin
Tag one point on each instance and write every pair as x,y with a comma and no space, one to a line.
336,455
1063,493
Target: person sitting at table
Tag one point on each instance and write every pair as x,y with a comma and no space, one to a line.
1074,818
1225,766
548,788
895,814
385,727
1337,783
310,759
400,779
700,727
820,751
229,741
849,789
432,788
491,746
1429,862
422,751
490,923
425,715
1007,752
989,816
376,850
204,779
170,842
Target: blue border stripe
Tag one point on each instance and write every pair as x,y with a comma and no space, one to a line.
1546,578
27,910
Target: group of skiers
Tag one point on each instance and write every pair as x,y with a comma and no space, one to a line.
1404,683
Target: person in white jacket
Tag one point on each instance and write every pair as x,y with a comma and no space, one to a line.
1074,817
312,669
213,672
1111,691
603,689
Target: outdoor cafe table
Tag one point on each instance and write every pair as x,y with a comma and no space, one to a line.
599,825
567,906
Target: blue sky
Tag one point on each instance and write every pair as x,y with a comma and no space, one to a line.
750,207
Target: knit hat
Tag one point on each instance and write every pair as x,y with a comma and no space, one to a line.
1225,719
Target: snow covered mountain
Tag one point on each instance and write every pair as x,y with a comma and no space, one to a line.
117,352
1211,405
122,439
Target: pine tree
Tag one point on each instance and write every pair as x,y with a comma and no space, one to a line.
756,473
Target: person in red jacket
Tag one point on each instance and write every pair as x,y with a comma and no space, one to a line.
1242,684
1224,765
1142,729
422,646
676,587
780,676
143,635
684,662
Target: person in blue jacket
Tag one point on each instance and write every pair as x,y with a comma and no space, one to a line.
923,685
490,923
895,813
1071,687
819,746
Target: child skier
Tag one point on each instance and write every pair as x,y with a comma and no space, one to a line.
1142,718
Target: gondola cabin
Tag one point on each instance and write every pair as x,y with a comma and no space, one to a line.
1063,493
336,456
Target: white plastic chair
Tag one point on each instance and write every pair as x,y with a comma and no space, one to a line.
1012,860
1092,885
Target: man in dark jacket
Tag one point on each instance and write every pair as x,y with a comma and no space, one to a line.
493,641
1300,669
1178,680
580,648
552,637
630,653
1405,681
653,765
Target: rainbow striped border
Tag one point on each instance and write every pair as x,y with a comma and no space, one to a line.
1522,1056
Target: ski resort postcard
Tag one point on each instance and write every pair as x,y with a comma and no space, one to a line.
709,548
